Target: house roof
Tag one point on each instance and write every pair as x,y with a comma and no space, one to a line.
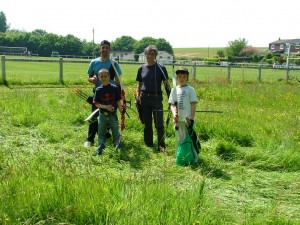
295,41
284,41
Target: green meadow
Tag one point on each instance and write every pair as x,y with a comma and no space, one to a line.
248,171
202,52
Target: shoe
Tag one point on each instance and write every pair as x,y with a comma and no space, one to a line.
88,144
161,149
119,146
100,149
149,145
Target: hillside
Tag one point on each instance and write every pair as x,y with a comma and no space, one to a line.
201,52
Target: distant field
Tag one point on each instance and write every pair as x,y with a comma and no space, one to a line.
201,52
196,52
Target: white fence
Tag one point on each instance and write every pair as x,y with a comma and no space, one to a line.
194,66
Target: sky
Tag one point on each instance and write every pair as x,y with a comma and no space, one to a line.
183,23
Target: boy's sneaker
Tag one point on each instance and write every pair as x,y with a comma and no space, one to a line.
162,149
119,146
100,149
88,144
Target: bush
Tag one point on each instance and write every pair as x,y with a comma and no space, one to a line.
268,55
297,62
276,58
256,58
248,52
221,53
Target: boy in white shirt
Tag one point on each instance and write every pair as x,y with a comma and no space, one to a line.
183,101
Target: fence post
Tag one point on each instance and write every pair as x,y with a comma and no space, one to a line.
3,69
228,71
259,73
61,78
287,77
194,71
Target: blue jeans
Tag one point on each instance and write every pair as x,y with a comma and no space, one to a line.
104,122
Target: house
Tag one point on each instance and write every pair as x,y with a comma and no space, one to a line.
282,46
123,56
162,57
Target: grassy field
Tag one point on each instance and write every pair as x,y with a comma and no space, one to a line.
248,171
42,73
201,52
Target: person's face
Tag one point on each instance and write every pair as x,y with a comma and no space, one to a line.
150,56
104,78
182,79
104,50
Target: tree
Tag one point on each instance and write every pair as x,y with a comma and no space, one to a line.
235,47
123,43
39,32
68,45
3,22
163,45
143,43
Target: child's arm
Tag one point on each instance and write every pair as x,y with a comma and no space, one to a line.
107,107
175,115
190,120
174,111
193,110
119,103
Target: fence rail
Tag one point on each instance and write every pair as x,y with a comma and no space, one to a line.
195,66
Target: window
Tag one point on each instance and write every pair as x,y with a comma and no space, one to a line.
272,47
281,46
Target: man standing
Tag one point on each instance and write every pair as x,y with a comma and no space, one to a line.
150,76
102,62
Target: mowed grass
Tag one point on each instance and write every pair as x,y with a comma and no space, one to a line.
48,73
248,171
196,52
202,52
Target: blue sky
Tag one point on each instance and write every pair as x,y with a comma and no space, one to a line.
188,23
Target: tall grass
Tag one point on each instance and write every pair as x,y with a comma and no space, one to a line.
248,171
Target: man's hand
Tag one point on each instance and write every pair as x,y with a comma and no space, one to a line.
93,79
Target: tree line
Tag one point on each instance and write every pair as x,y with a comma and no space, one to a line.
43,43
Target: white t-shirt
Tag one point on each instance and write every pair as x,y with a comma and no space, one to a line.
184,96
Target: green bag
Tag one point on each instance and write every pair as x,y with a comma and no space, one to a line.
186,153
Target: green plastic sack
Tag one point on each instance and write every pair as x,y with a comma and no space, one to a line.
186,153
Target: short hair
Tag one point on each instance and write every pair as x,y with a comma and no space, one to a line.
103,70
151,48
